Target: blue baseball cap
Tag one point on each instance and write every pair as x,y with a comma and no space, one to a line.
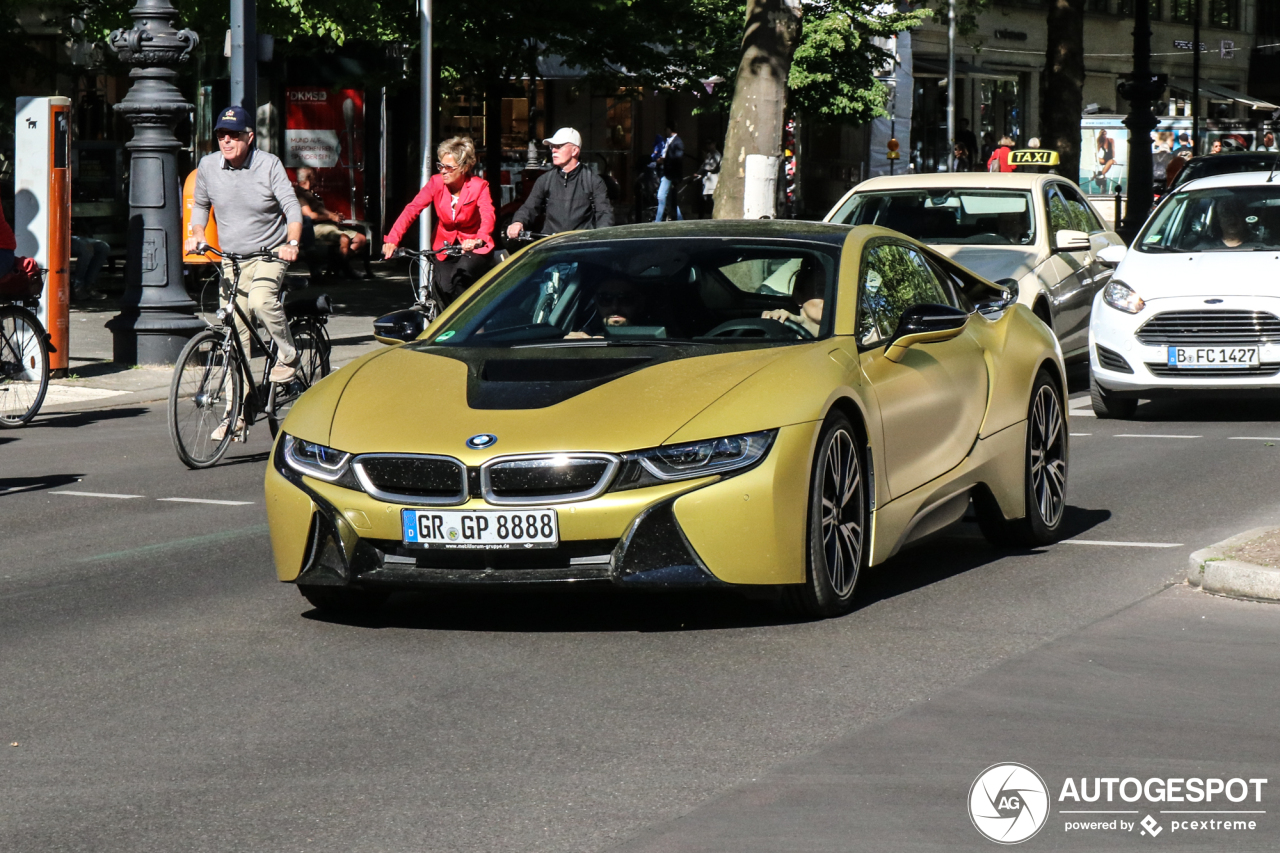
235,119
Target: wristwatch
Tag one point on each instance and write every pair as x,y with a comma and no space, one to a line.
293,242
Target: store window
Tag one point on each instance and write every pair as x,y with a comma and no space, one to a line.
1182,11
618,112
1102,6
1224,14
1127,7
1002,111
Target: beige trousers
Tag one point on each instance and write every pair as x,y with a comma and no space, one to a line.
258,295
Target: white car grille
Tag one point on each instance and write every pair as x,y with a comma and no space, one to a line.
1210,328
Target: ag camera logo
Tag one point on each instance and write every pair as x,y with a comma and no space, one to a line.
1008,803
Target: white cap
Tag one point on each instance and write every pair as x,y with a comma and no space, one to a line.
565,135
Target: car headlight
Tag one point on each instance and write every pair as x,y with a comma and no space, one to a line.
695,459
1122,297
316,460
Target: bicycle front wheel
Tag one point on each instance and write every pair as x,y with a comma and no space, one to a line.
204,399
24,366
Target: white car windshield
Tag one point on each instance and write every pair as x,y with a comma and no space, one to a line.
947,215
1222,219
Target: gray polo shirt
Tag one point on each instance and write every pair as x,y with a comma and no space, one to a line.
255,203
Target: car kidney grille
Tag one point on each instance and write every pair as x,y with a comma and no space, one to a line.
551,477
1163,369
411,478
1210,328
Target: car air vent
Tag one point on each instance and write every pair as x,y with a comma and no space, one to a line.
411,478
1112,360
558,369
1210,328
1163,369
547,478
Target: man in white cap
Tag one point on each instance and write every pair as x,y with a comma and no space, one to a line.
573,196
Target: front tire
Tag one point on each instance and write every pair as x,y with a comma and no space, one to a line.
839,524
206,389
1044,477
1107,405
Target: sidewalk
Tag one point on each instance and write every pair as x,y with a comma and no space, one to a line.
96,382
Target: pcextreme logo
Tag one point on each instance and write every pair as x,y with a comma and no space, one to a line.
1009,803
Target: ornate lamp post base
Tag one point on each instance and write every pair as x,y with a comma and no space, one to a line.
156,317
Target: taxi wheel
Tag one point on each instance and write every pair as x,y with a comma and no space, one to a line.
340,602
839,525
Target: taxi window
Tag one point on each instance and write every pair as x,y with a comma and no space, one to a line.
894,277
1081,214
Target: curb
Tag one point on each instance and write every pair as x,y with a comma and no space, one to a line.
1212,571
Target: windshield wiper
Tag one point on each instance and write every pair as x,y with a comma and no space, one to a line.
1156,247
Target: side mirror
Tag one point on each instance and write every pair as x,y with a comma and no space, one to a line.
925,324
1008,296
399,326
1071,241
1111,256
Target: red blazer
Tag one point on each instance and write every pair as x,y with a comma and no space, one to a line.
7,240
474,219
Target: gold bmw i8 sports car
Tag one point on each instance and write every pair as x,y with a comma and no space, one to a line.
768,406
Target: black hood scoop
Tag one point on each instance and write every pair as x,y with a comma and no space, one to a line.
535,383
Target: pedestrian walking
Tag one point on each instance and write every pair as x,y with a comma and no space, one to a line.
257,209
960,159
464,217
710,174
672,165
571,195
999,160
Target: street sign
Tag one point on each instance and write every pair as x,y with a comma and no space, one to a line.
1033,157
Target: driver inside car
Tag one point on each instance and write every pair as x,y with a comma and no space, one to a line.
806,290
618,302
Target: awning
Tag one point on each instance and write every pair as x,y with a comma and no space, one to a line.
1221,93
934,66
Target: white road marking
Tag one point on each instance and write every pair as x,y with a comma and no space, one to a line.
1253,438
1079,433
96,495
1080,413
1122,544
1152,435
207,501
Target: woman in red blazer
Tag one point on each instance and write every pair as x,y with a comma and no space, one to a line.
464,216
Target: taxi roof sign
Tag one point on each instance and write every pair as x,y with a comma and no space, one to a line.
1034,157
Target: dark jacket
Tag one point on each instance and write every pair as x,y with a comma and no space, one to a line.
573,201
673,161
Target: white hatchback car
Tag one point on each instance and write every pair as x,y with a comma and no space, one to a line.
1036,229
1194,306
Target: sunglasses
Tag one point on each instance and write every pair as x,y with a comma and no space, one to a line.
227,134
441,167
606,298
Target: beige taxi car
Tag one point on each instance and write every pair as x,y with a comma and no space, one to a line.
1037,230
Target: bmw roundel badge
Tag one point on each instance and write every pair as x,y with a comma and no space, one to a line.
481,441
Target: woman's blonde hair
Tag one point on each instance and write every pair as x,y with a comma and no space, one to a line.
1007,142
462,149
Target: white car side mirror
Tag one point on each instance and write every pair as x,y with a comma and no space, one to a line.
1071,241
1112,255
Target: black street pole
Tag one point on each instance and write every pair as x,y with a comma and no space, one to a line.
1140,91
244,55
1195,79
156,315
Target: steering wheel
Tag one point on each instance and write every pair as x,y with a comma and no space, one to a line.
757,327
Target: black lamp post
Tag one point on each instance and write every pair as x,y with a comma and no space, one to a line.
1140,90
156,315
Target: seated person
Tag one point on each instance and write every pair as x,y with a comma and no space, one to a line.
807,291
1012,226
618,301
1232,227
348,240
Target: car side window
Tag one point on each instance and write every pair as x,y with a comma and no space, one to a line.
1059,214
1083,215
894,278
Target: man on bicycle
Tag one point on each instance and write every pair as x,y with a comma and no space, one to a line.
574,196
257,209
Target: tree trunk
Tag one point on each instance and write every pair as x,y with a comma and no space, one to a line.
759,96
1064,84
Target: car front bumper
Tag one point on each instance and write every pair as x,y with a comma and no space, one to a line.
749,529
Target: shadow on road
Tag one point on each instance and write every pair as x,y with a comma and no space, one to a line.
79,419
18,485
953,551
1209,410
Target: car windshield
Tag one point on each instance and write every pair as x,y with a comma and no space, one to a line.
977,216
1223,219
653,292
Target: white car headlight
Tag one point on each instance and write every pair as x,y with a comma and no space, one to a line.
1122,297
315,460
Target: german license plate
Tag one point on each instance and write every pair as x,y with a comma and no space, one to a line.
485,529
1193,357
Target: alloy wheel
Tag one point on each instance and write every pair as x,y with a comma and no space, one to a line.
842,512
1048,449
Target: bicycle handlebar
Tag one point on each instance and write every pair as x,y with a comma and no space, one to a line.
451,251
264,254
530,235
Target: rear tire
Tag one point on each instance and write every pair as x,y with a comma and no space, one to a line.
313,365
1107,405
24,366
205,376
1044,477
839,524
341,602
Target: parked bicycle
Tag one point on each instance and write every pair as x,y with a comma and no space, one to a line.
24,355
214,371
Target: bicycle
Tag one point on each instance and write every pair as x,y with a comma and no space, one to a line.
24,361
211,373
407,323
